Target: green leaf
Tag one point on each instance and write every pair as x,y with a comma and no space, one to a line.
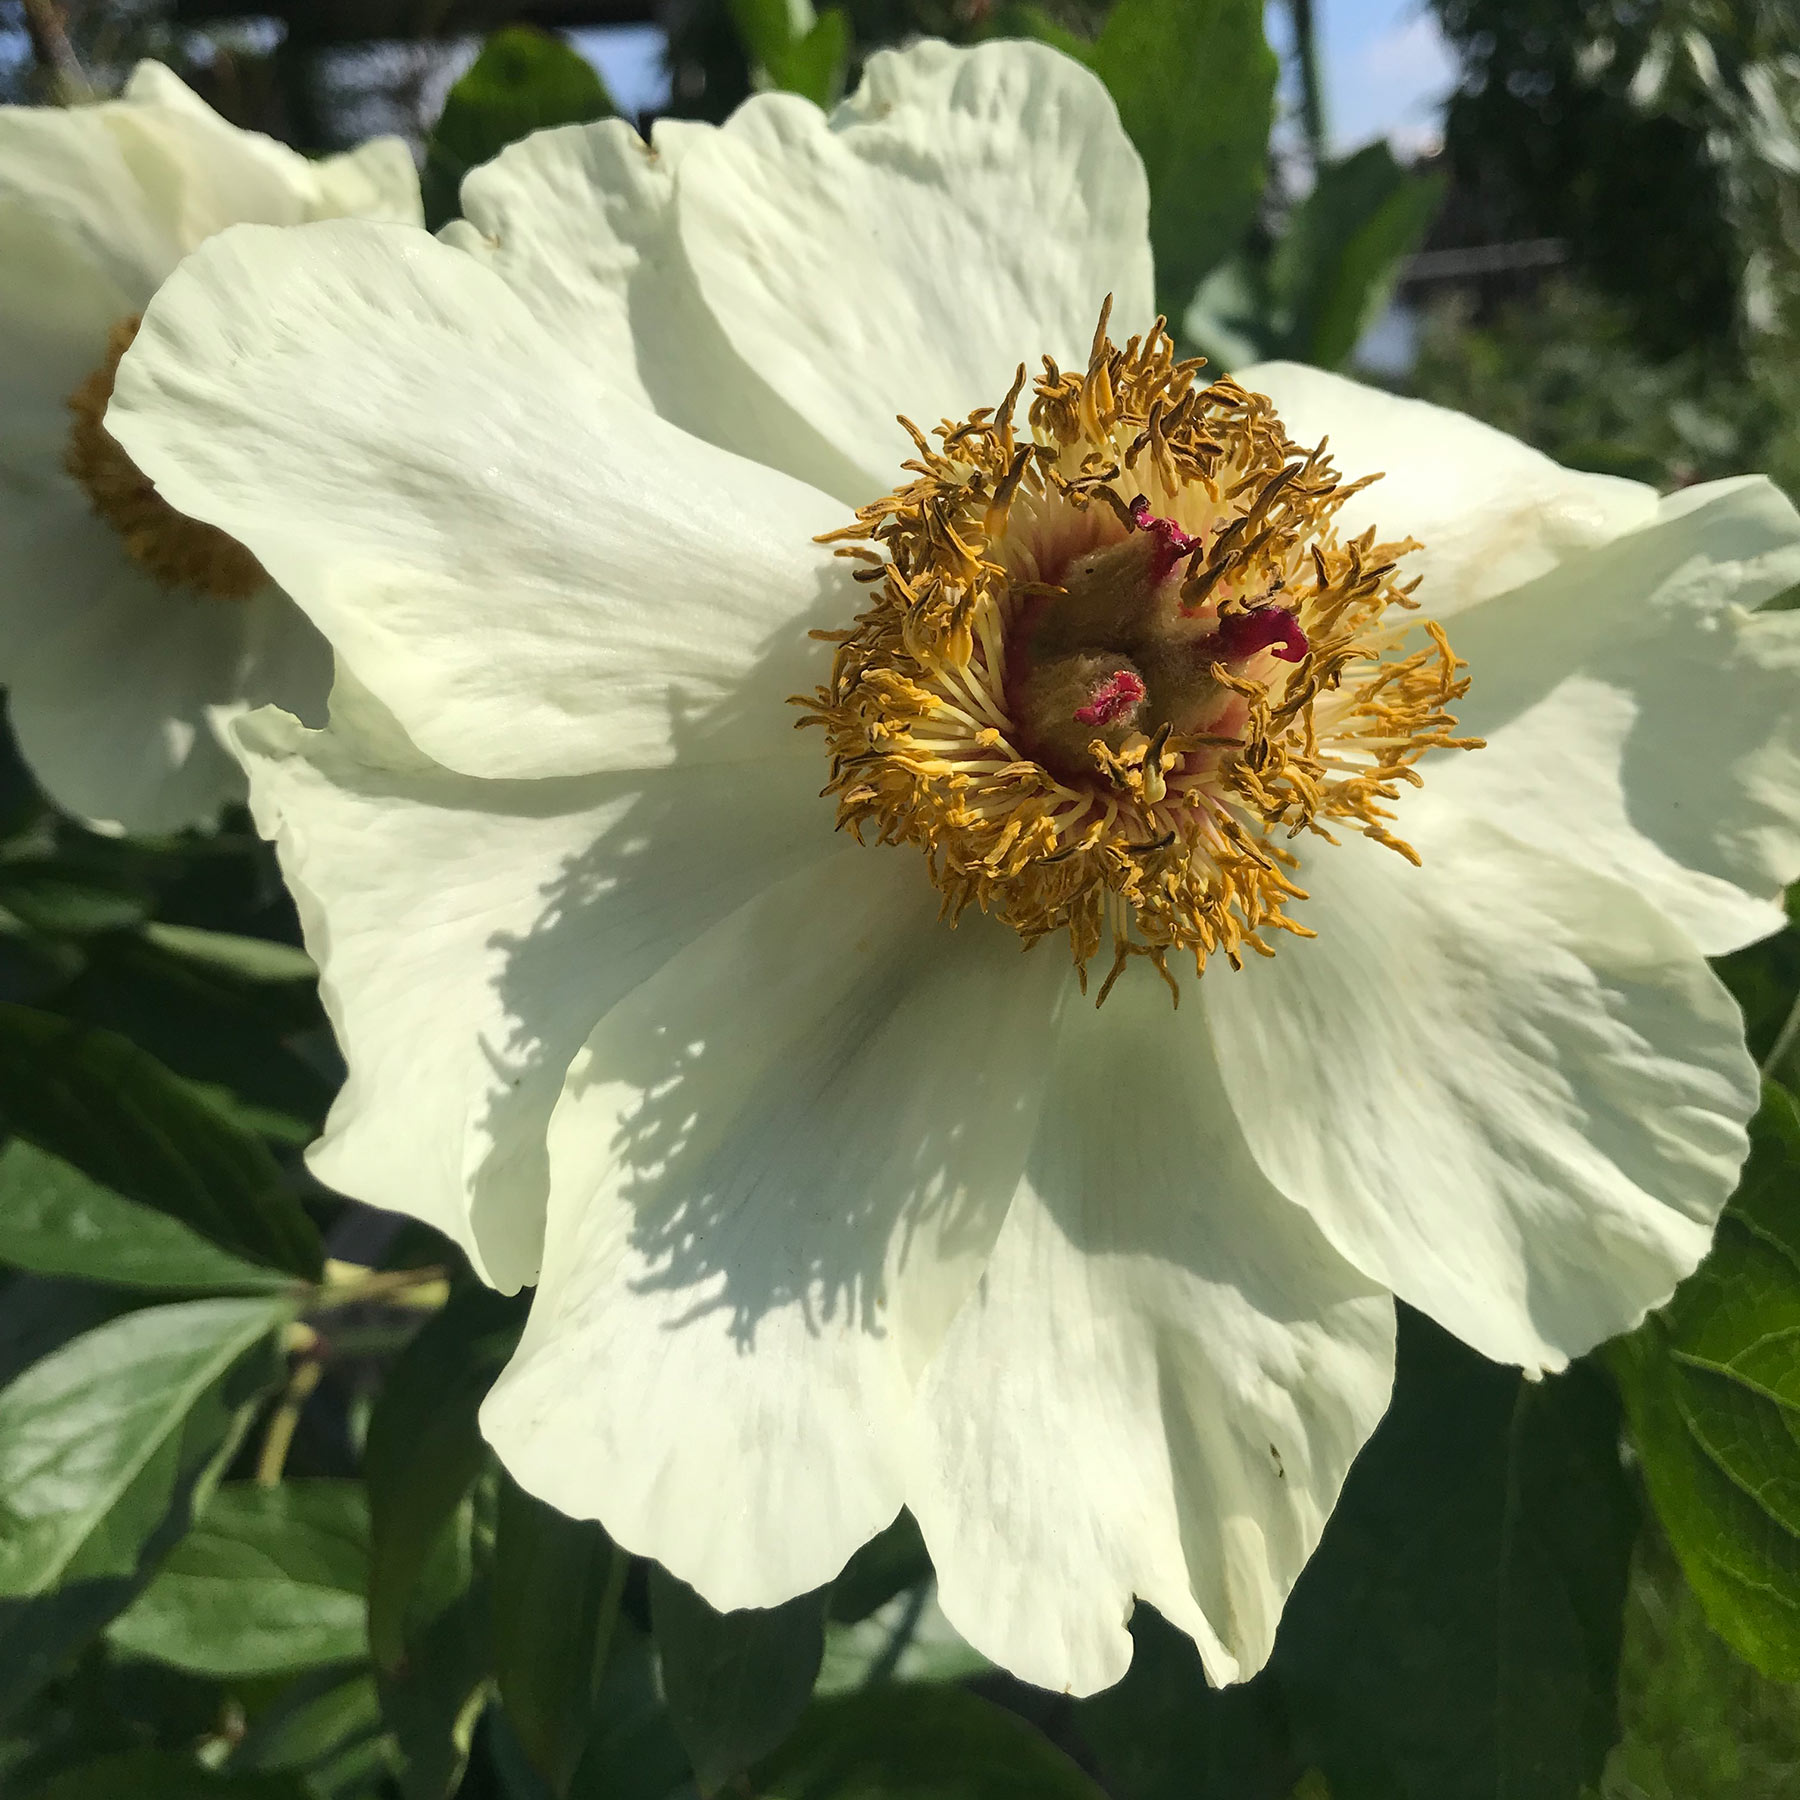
67,901
634,1753
327,1723
432,1700
1020,19
523,81
55,1220
118,1115
162,1775
557,1583
1457,1633
917,1743
269,1582
814,64
96,1439
258,960
1165,1733
907,1638
425,1448
888,1564
1340,256
1712,1390
212,1023
791,47
737,1681
1194,81
1232,320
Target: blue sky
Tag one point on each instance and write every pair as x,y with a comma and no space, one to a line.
1386,68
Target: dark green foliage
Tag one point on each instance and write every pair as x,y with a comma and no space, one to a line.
1457,1634
736,1682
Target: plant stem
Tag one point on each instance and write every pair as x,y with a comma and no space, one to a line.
1312,92
280,1435
48,31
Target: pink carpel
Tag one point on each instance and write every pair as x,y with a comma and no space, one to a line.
1172,543
1111,699
1241,635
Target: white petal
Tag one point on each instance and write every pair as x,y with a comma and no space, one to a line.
1491,512
1504,1086
580,222
117,683
535,577
469,934
1642,721
376,180
198,173
965,212
776,1169
1160,1382
61,169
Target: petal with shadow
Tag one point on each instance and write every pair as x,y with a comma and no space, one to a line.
1490,511
1160,1382
535,577
776,1171
965,211
469,933
1505,1086
580,222
1643,719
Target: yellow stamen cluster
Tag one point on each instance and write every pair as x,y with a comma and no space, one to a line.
1170,837
176,551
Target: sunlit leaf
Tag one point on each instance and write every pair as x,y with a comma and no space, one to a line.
523,81
95,1099
1194,81
95,1439
58,1221
270,1581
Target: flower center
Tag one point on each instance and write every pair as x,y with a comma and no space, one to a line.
171,548
1116,663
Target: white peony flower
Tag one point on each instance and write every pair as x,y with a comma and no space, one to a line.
127,633
834,1208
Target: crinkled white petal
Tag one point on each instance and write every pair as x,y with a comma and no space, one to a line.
1643,720
117,685
1505,1086
776,1169
1160,1382
469,933
580,222
1490,511
966,211
536,577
